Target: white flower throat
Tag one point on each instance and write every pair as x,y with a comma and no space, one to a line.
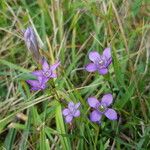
47,73
102,108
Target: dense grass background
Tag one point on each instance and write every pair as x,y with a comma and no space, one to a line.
68,30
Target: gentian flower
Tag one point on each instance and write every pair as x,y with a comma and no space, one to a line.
101,108
99,63
43,76
32,43
71,112
47,71
39,84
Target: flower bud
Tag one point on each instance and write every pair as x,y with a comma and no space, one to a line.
32,43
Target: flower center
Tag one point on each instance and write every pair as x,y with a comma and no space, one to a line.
102,108
47,73
72,111
101,62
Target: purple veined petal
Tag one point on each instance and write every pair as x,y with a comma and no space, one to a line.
111,114
42,80
93,102
77,105
45,65
103,71
34,83
94,56
68,118
54,66
109,61
71,105
77,113
37,73
91,67
35,89
107,99
95,116
43,86
66,112
53,75
107,53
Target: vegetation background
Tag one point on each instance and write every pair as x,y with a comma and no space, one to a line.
69,30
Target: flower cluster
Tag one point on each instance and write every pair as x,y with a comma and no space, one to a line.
98,63
100,108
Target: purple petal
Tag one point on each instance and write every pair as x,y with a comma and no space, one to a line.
68,118
109,61
91,67
71,105
54,66
42,80
35,89
34,83
107,99
53,75
107,53
45,65
37,73
95,116
94,56
77,113
77,105
93,102
66,112
111,114
103,71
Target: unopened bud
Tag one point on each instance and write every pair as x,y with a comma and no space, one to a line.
32,43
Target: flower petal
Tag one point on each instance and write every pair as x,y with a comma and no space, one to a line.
93,102
66,112
77,105
77,113
107,99
35,89
45,65
109,61
42,80
54,66
91,67
71,105
34,83
103,71
37,73
107,52
94,56
95,116
111,114
68,118
53,75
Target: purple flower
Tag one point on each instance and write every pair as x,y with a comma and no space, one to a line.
39,84
71,112
43,76
32,43
101,108
47,71
99,63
